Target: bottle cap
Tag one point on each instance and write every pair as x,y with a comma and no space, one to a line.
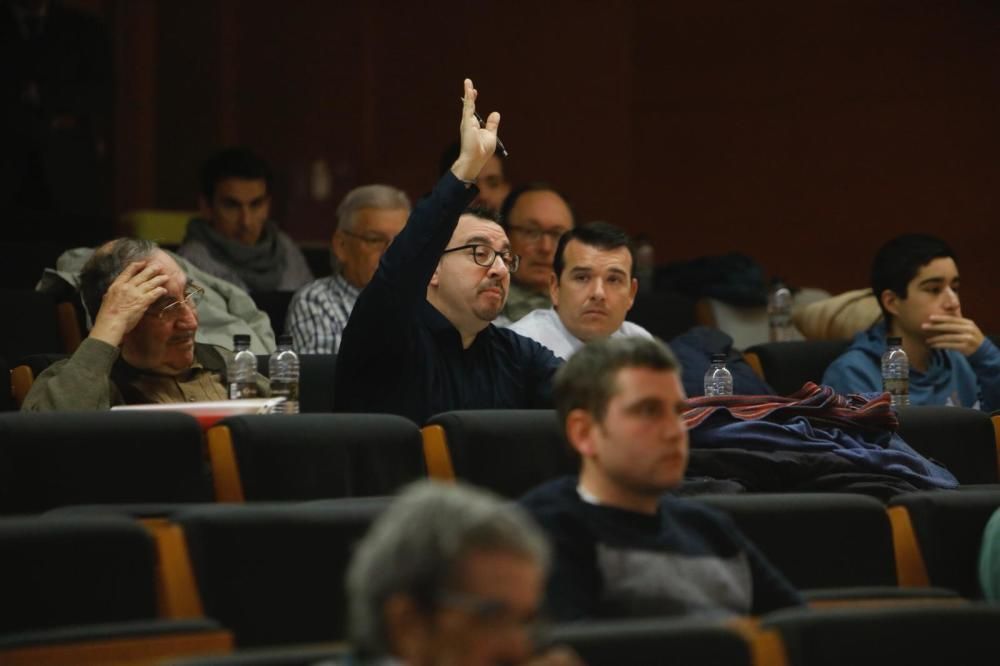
285,340
894,341
718,357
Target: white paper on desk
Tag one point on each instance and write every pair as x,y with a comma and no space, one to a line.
217,408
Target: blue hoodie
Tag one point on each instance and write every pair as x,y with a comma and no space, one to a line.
951,378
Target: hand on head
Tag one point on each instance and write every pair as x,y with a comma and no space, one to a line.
953,332
477,142
136,288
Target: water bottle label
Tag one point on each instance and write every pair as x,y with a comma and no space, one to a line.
242,390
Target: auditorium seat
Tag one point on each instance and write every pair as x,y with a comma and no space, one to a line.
275,574
940,533
311,456
916,635
664,314
786,366
36,324
275,304
315,381
962,439
22,375
57,459
655,642
83,589
507,451
831,546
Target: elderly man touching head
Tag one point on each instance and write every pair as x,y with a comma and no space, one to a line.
592,288
141,348
420,339
368,220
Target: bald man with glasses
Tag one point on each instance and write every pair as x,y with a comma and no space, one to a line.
141,348
420,339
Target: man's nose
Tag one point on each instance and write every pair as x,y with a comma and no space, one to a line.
597,293
188,318
951,298
498,267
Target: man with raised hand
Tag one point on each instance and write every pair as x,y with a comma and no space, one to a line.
419,340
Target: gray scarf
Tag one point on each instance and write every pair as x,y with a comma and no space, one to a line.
260,265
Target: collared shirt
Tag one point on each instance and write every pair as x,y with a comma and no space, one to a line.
319,313
521,301
399,355
546,328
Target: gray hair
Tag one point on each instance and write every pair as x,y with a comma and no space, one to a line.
588,379
106,264
382,197
417,546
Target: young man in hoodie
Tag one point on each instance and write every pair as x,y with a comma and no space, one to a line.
915,279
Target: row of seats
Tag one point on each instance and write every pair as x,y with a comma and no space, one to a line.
272,574
49,460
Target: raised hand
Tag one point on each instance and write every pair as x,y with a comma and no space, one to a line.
137,287
951,332
477,142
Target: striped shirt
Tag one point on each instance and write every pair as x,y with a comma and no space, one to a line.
318,314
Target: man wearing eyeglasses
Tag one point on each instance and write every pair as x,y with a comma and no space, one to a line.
535,216
419,340
141,348
368,219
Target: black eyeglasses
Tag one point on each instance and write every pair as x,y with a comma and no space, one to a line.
484,255
534,234
380,242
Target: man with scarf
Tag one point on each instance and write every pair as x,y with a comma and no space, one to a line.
234,239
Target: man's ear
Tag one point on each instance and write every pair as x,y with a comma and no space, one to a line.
631,294
890,301
554,289
337,246
580,427
405,628
435,279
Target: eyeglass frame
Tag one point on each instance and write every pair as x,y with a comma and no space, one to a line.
492,612
534,234
192,294
384,242
512,266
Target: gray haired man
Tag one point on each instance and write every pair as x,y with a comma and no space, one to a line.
368,219
449,575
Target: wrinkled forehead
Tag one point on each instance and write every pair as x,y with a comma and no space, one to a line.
473,229
176,278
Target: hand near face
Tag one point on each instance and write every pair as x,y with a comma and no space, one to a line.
127,299
478,143
953,332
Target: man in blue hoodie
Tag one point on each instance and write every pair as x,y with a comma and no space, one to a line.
915,279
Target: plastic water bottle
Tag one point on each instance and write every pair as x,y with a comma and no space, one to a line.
718,379
779,313
283,368
896,373
242,370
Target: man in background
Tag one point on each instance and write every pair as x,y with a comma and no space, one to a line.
368,220
234,238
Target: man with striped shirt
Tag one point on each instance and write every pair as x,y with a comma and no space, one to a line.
368,220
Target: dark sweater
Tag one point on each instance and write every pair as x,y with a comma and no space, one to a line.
687,559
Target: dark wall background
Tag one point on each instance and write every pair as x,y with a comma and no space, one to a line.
802,134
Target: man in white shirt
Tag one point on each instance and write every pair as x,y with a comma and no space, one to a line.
592,289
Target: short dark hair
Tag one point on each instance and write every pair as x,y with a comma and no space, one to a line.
236,162
595,234
106,264
588,379
537,186
483,213
898,261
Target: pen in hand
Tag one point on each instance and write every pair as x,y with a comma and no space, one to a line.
482,123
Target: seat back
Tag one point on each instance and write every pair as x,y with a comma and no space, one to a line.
917,635
22,376
275,304
74,570
312,456
786,366
818,540
947,527
963,440
56,459
662,313
275,574
653,642
507,451
33,326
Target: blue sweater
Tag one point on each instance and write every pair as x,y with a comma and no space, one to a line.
951,378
